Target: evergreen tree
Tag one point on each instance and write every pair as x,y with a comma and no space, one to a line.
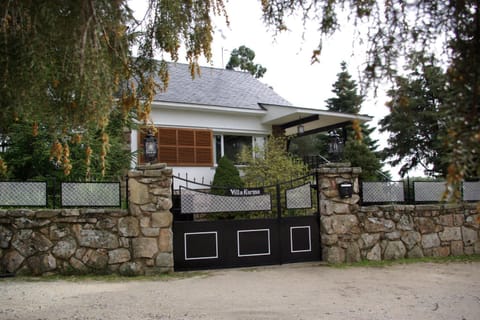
417,120
242,58
359,148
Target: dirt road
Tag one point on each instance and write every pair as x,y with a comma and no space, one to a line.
305,291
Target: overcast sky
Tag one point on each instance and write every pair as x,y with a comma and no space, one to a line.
287,57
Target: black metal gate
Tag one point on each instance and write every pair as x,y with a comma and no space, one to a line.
245,227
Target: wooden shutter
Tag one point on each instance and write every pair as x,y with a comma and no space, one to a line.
183,147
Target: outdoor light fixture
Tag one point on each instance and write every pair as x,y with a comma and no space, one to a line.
335,146
150,148
300,129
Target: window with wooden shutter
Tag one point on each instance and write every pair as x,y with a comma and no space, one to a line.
184,147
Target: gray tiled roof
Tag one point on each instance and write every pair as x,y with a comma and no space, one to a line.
218,87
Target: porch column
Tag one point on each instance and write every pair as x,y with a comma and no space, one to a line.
339,225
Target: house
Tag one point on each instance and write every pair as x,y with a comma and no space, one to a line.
217,113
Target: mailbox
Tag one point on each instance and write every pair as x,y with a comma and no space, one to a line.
345,189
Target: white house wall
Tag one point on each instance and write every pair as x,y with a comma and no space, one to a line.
219,120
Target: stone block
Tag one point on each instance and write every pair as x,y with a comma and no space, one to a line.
441,252
150,232
96,259
165,240
411,239
375,254
430,241
333,254
65,248
128,227
426,225
329,239
118,256
458,220
415,252
405,223
144,247
450,233
27,223
162,219
373,225
473,221
164,203
28,242
138,192
395,250
5,237
131,269
456,248
41,264
394,235
97,239
352,253
12,261
78,265
368,240
446,220
106,223
343,224
470,236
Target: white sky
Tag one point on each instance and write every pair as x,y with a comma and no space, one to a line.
287,57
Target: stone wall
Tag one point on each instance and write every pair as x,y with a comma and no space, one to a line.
78,241
351,233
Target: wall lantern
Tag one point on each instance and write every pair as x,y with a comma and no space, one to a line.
150,147
300,129
335,146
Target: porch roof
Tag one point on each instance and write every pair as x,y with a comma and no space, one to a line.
312,120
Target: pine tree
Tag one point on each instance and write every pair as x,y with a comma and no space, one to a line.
360,148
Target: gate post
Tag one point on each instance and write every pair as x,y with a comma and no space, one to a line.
339,224
149,230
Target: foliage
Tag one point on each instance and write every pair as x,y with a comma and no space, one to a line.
359,148
397,28
68,64
417,119
359,155
29,154
226,176
271,164
243,58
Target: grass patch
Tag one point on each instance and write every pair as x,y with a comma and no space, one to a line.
109,277
386,263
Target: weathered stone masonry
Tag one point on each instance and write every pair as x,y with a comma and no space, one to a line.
134,242
352,233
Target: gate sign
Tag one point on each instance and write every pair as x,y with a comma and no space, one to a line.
245,192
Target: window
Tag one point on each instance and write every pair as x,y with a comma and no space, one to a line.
183,147
231,145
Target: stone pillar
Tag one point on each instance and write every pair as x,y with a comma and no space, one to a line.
150,221
339,225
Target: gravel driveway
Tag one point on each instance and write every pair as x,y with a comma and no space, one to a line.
300,291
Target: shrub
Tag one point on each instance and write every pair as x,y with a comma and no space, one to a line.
226,176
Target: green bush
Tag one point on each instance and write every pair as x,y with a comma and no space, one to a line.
226,176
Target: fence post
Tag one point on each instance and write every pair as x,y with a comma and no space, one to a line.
54,195
279,201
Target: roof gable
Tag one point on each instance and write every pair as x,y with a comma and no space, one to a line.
218,87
